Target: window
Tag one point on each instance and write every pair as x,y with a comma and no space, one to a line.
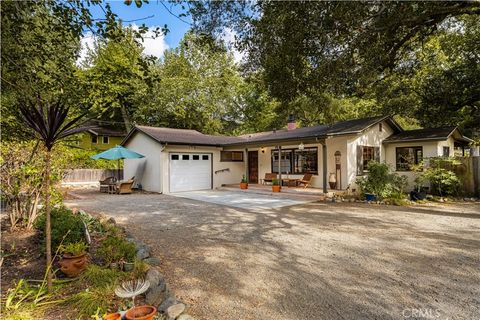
105,139
94,139
296,161
408,156
446,151
365,154
368,154
185,157
234,156
175,157
195,157
205,157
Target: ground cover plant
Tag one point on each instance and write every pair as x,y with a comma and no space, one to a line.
90,294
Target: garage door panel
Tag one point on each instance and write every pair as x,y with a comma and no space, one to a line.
190,171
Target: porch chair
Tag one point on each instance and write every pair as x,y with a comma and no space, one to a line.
269,177
106,183
124,187
306,180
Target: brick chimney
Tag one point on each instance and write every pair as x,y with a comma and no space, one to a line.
292,125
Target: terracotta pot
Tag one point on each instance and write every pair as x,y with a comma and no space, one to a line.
72,266
276,188
243,185
113,316
145,312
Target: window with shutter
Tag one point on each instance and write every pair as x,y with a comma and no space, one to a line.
359,160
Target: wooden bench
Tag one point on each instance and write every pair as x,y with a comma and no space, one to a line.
269,177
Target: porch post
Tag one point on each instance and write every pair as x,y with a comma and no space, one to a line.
246,165
280,164
324,163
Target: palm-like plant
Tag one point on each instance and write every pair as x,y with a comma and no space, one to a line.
50,124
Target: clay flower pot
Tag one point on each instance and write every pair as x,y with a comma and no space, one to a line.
113,316
141,313
72,266
243,185
276,188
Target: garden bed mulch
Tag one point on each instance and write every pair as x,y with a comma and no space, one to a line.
23,257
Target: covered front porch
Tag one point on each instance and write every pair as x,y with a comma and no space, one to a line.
319,159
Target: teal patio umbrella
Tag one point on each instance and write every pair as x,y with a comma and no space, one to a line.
117,153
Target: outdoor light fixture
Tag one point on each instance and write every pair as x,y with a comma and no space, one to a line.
263,149
301,146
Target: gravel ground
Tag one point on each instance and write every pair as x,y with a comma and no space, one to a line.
309,261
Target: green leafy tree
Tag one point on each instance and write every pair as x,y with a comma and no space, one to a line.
199,88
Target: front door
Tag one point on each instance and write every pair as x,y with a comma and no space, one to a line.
253,166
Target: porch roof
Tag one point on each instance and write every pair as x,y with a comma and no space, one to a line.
428,134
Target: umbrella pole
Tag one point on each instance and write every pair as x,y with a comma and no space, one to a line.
118,169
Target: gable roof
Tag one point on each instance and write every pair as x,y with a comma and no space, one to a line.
100,130
193,137
181,136
427,134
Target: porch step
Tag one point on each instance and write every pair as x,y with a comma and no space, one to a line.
283,193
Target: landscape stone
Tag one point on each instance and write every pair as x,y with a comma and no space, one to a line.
170,301
154,276
153,261
143,252
185,317
155,296
175,310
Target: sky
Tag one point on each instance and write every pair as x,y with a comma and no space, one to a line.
153,14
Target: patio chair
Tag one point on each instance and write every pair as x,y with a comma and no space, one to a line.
269,177
106,183
306,180
124,187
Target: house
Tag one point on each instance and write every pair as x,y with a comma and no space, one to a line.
182,160
99,138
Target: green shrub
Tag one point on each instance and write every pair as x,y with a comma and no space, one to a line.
443,182
75,248
115,248
381,182
64,224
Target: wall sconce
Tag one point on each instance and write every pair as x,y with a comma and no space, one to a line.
301,146
337,157
262,149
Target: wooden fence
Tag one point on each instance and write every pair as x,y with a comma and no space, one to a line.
90,175
469,174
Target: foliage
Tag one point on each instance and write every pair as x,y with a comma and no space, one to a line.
444,181
115,248
244,179
95,276
414,58
74,248
66,227
200,88
21,177
275,182
140,269
381,182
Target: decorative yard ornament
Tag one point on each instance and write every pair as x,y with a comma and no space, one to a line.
301,146
132,288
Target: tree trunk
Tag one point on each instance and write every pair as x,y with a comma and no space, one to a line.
48,228
126,118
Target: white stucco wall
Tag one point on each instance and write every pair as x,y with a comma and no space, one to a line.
234,175
429,148
146,170
371,137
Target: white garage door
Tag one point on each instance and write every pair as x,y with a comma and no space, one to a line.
190,171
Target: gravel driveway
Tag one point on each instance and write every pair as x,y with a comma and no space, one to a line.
309,261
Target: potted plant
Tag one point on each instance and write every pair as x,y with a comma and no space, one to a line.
130,289
113,316
276,185
244,183
74,259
